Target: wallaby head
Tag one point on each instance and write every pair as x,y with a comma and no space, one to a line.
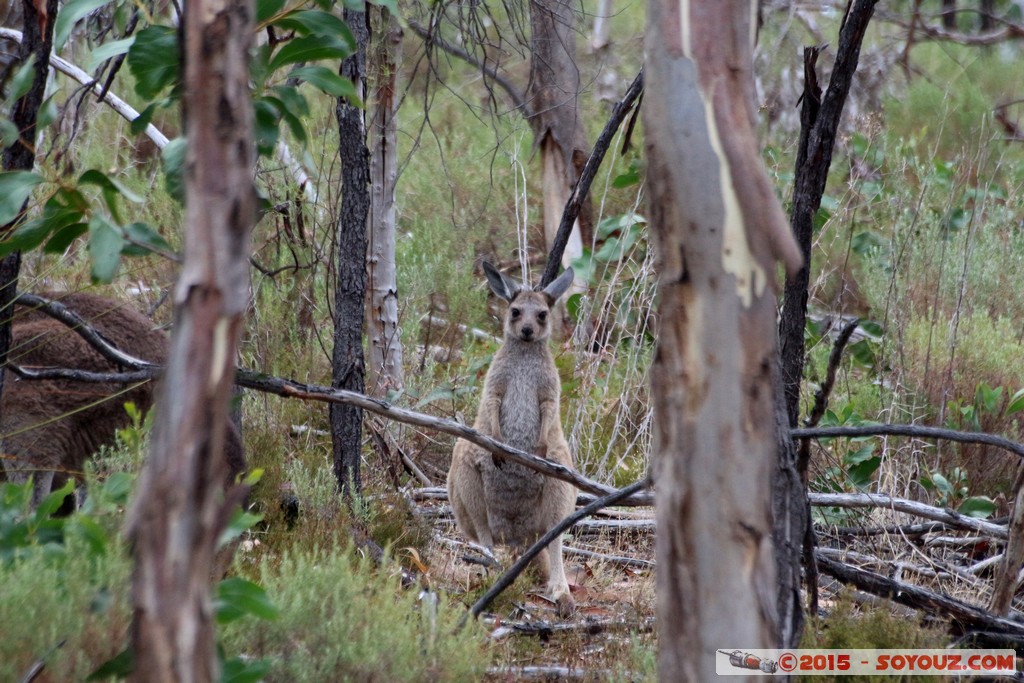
528,316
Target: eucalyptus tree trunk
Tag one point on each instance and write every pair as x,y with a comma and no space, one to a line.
37,42
350,264
385,347
717,230
553,103
180,509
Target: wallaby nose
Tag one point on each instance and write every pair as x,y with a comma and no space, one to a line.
526,333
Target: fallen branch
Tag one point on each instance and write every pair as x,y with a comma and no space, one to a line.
516,569
547,673
632,562
919,598
909,530
591,627
910,507
916,431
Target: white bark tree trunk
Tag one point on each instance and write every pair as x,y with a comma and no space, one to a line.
384,365
717,229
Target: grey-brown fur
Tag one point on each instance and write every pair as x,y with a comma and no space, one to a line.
48,428
501,501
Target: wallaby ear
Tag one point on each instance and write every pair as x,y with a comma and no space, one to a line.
501,285
561,284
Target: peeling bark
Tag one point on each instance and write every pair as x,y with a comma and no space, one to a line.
717,229
385,371
180,508
553,100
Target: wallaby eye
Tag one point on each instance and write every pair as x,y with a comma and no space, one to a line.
542,316
515,313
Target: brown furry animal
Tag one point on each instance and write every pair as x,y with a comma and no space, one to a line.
501,501
48,428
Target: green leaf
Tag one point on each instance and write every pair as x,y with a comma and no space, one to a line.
328,81
22,80
173,157
47,113
574,306
941,484
1016,403
310,49
105,244
8,133
120,665
153,60
144,240
237,597
54,500
105,51
630,177
15,188
265,9
118,487
69,15
93,534
145,117
63,237
445,392
978,506
862,473
111,188
237,670
265,126
240,523
318,23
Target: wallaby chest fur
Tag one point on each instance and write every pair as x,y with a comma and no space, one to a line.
500,501
49,428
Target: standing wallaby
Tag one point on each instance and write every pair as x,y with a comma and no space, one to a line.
497,500
48,428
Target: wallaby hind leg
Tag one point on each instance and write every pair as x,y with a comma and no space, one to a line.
550,560
466,495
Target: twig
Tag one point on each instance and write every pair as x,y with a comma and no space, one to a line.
912,431
516,569
825,390
917,597
909,530
598,525
547,673
910,507
76,323
431,38
633,562
579,192
115,102
589,626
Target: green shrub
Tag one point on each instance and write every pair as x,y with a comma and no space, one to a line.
881,627
342,620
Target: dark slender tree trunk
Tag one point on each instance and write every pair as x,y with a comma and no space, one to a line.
180,508
819,123
819,126
988,11
37,41
949,14
350,265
